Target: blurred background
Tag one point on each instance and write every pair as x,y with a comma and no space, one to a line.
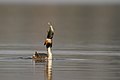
86,41
87,25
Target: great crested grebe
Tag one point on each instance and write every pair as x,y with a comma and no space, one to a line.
48,44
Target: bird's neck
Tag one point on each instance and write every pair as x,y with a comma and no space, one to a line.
49,53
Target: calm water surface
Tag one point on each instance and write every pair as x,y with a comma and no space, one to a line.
86,42
77,65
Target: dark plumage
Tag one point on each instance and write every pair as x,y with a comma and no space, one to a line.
48,44
40,56
50,32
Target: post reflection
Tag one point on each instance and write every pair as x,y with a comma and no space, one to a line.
47,69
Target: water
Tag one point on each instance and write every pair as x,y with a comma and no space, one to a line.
86,44
80,65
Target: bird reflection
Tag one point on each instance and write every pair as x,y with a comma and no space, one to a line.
49,70
47,66
46,57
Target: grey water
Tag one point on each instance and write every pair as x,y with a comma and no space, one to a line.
78,65
86,44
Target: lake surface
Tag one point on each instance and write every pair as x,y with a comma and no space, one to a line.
66,65
86,44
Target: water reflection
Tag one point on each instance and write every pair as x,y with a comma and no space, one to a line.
47,66
49,70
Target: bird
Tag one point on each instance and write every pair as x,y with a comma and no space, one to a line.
48,43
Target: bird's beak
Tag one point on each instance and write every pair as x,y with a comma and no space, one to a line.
51,28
